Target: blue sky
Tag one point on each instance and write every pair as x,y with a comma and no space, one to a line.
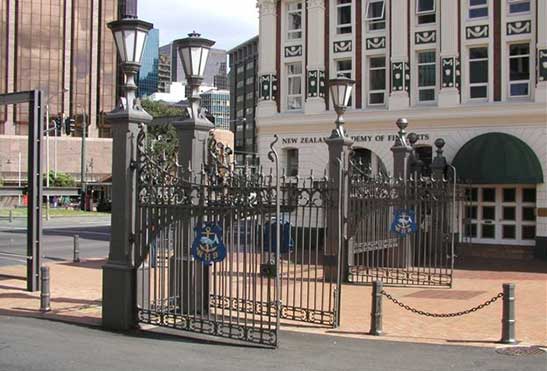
228,22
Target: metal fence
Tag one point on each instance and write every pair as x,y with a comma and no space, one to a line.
402,230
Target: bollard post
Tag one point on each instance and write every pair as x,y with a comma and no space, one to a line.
76,258
508,316
376,310
44,293
11,216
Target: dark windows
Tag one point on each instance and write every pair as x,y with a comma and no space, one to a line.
426,76
294,86
377,81
519,6
478,73
425,10
343,18
376,15
519,70
292,161
478,9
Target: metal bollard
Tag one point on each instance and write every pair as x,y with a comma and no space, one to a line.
44,293
11,216
76,258
508,316
376,310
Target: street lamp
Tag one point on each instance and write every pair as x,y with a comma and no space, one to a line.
340,91
193,52
130,36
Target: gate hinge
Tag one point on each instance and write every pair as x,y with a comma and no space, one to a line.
132,238
133,165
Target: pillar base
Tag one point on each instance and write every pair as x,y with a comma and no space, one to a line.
541,92
119,297
541,248
266,109
399,101
449,97
314,106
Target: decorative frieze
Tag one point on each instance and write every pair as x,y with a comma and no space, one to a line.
425,37
400,72
542,61
451,72
316,84
268,87
519,28
476,32
293,51
373,43
342,46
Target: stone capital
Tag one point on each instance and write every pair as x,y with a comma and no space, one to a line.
267,7
316,4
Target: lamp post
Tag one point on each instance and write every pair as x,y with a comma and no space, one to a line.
119,273
193,132
339,145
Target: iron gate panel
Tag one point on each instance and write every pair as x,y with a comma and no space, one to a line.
177,290
424,257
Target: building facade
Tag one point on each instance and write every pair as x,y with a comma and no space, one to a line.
148,80
63,48
164,73
243,61
217,102
473,72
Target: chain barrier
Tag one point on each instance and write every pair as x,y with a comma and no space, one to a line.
442,315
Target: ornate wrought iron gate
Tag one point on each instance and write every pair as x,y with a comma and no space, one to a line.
402,231
229,254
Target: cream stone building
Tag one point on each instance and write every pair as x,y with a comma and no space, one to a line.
473,72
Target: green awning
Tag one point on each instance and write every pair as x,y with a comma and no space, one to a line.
497,158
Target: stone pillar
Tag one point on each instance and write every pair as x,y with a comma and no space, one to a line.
339,149
541,89
402,153
315,101
119,273
267,72
449,96
400,67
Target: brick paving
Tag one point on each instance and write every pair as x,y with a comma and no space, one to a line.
76,297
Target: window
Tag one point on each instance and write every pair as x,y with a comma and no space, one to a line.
478,9
294,29
375,15
426,76
294,86
292,162
343,20
478,73
344,69
425,10
519,6
377,81
519,70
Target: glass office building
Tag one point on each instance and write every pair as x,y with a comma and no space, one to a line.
148,74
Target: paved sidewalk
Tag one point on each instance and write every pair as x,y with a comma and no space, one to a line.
76,297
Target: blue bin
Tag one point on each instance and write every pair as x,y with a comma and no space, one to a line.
270,238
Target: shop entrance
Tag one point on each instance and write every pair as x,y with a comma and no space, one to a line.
501,214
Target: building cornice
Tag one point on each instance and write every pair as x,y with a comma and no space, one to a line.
267,7
502,114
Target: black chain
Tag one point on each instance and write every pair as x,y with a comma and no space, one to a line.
442,315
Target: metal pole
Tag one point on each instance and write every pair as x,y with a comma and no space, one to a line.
82,175
47,160
44,293
19,179
11,216
76,249
508,316
376,327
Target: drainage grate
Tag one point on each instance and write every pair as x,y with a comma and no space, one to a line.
520,351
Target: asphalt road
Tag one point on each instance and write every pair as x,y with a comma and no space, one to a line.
58,239
33,344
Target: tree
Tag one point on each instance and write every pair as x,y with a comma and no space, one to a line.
61,180
159,109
